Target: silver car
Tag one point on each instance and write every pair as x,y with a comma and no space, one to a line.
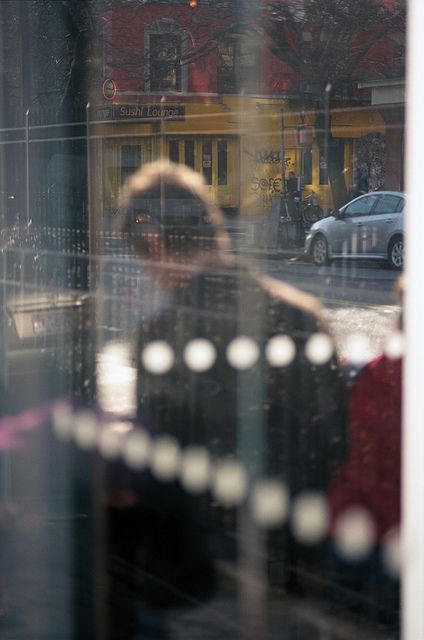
369,227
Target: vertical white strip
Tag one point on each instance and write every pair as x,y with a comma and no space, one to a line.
413,423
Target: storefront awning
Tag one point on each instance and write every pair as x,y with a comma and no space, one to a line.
356,123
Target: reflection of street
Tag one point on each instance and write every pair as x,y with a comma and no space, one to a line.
341,282
359,299
373,323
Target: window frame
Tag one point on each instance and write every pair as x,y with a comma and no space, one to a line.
161,27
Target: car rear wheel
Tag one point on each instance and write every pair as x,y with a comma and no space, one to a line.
319,251
396,253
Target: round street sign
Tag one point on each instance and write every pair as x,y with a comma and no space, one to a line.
109,89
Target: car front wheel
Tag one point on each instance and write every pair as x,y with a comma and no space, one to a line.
319,251
396,253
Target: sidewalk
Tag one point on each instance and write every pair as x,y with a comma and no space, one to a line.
247,240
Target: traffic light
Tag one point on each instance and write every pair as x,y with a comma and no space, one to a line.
193,4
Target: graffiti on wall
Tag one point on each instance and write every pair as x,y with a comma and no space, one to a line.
264,180
370,156
267,156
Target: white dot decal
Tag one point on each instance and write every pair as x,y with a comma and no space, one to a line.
310,517
395,345
229,483
158,357
358,349
280,351
63,421
116,379
136,449
165,459
242,352
269,503
319,348
111,438
199,355
391,552
354,533
195,469
86,430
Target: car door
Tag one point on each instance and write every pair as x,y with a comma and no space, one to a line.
384,219
348,233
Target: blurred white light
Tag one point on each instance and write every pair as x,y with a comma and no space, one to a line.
195,469
111,438
319,348
199,354
136,449
242,352
86,430
229,484
269,502
358,349
391,552
165,458
354,533
280,351
310,517
158,357
116,379
63,421
395,345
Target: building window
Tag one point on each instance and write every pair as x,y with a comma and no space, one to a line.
164,50
189,153
248,72
130,160
165,68
174,151
222,162
307,165
207,161
226,68
238,66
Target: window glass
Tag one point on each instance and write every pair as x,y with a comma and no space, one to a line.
222,162
165,70
226,67
201,362
388,204
307,165
130,160
174,151
207,161
189,153
361,207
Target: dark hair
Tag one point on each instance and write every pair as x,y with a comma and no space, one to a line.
155,195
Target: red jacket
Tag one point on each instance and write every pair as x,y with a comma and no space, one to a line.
371,475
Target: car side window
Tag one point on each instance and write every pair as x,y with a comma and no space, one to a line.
360,207
401,205
388,204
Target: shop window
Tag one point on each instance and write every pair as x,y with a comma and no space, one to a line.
207,161
307,165
189,153
174,151
130,160
222,162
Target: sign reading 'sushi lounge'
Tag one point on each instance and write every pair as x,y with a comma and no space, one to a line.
144,112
